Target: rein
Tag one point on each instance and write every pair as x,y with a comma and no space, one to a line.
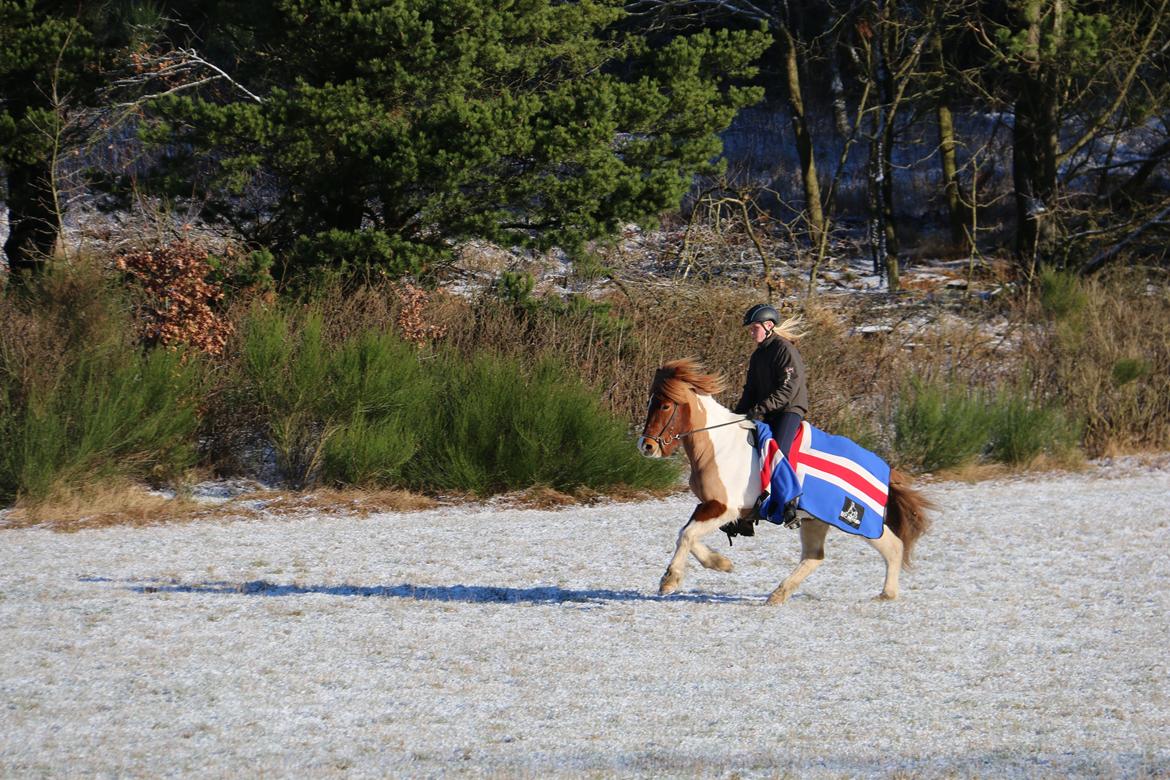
663,441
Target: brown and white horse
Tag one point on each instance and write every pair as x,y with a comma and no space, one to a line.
725,477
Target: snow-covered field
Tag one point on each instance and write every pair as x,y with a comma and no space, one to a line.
1032,640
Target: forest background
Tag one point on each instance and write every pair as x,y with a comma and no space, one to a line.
310,242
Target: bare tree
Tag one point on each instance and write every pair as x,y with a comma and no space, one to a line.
1075,74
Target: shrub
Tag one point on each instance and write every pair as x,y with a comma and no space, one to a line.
1109,366
500,427
178,305
1022,429
79,400
1062,295
367,451
338,412
937,425
114,411
377,393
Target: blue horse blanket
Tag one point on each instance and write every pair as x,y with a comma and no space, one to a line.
831,477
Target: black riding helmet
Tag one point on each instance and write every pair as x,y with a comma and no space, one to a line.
761,313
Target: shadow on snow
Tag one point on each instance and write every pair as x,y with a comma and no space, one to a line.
470,594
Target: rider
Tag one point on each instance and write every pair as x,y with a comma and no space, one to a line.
775,390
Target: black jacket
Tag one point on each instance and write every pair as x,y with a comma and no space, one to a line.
775,381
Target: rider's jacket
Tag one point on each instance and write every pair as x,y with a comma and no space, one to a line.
775,381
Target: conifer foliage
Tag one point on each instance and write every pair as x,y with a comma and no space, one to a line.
384,130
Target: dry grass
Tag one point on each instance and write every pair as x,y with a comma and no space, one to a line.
71,509
1105,354
972,472
333,501
77,508
543,497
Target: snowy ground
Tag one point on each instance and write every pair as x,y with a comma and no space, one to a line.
1031,641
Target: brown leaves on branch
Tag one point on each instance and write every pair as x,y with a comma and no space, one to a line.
411,320
178,305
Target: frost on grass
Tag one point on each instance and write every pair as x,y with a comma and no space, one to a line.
504,642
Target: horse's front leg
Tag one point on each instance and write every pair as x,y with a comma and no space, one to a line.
710,559
707,517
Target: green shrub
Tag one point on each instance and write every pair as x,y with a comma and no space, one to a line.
368,451
1128,369
499,427
114,411
1022,429
281,374
939,426
1061,293
379,390
337,412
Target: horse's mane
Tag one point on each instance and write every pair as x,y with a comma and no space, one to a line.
677,377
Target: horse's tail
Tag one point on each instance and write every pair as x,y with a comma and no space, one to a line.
906,513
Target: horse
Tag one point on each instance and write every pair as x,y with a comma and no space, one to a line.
725,477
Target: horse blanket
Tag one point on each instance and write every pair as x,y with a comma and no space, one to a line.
831,477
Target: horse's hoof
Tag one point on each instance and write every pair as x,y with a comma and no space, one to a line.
776,599
883,596
669,584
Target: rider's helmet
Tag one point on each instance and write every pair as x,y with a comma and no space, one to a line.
761,313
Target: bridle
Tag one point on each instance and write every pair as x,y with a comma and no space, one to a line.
662,441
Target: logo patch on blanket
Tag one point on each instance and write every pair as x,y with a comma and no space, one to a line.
833,479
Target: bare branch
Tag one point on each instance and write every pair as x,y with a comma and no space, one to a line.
1105,255
185,66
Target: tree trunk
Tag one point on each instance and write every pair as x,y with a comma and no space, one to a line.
885,80
804,145
958,212
32,218
878,167
1036,145
837,87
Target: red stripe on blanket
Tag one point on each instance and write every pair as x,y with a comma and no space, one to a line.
853,479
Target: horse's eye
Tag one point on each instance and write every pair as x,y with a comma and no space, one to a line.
665,405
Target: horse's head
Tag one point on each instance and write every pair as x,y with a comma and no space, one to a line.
674,411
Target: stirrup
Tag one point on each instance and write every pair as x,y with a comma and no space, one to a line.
744,526
791,519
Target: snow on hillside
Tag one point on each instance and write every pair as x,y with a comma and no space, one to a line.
1030,642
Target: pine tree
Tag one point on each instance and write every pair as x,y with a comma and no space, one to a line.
384,131
42,54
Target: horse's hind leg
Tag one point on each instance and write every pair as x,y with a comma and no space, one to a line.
812,554
890,546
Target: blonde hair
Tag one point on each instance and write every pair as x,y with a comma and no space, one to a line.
791,329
